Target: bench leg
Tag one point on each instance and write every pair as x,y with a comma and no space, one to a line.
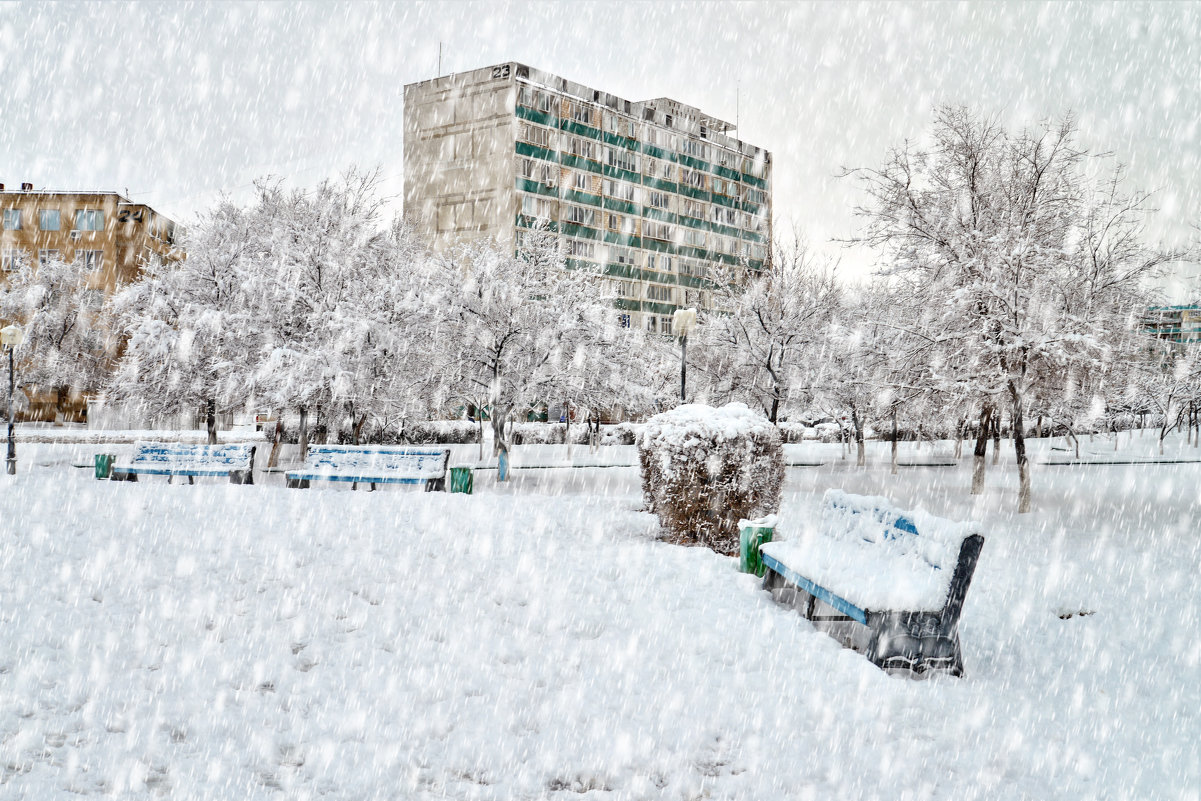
190,480
241,477
297,483
436,485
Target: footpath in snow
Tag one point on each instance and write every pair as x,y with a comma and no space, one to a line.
536,641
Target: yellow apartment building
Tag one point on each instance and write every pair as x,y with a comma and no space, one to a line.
112,235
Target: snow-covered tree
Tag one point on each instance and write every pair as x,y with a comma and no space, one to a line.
191,333
337,301
760,344
60,305
513,328
1022,253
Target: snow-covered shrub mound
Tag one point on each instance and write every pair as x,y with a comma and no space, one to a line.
704,468
621,434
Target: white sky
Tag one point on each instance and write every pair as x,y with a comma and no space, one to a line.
180,102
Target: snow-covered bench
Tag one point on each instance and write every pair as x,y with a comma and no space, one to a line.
360,465
886,582
180,459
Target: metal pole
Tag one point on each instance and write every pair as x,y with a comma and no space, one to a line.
12,441
683,368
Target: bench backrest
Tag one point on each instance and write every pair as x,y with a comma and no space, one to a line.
407,462
231,456
905,534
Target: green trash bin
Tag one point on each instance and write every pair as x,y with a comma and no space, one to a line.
462,479
753,533
104,465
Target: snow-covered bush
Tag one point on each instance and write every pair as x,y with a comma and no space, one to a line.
548,433
704,468
621,434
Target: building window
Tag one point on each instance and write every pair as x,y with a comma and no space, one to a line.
659,200
624,288
664,325
581,113
692,208
691,147
583,148
46,255
536,135
581,216
92,260
621,191
12,219
692,178
659,261
656,292
532,206
532,98
49,219
623,320
651,324
89,220
581,250
694,239
623,256
657,230
621,159
9,259
652,167
581,181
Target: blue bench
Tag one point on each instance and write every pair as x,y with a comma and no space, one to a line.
885,582
172,459
371,466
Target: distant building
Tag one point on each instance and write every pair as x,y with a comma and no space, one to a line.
655,192
111,235
1178,324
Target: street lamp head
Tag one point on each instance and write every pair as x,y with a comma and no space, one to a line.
11,336
683,321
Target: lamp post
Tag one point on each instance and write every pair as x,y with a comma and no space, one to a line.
10,337
682,323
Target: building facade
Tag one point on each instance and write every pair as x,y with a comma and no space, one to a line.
656,193
1177,324
110,235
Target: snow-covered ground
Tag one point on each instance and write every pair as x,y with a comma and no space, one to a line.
536,641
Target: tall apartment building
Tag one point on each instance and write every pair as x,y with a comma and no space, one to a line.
111,236
1178,324
655,192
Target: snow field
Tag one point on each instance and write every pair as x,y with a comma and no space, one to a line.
215,641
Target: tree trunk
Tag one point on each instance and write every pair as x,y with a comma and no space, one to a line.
499,443
860,454
304,433
1019,449
211,420
273,459
894,441
479,419
981,449
996,439
358,429
959,425
775,410
567,420
1039,428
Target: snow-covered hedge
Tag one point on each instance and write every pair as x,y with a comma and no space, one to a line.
548,433
704,468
